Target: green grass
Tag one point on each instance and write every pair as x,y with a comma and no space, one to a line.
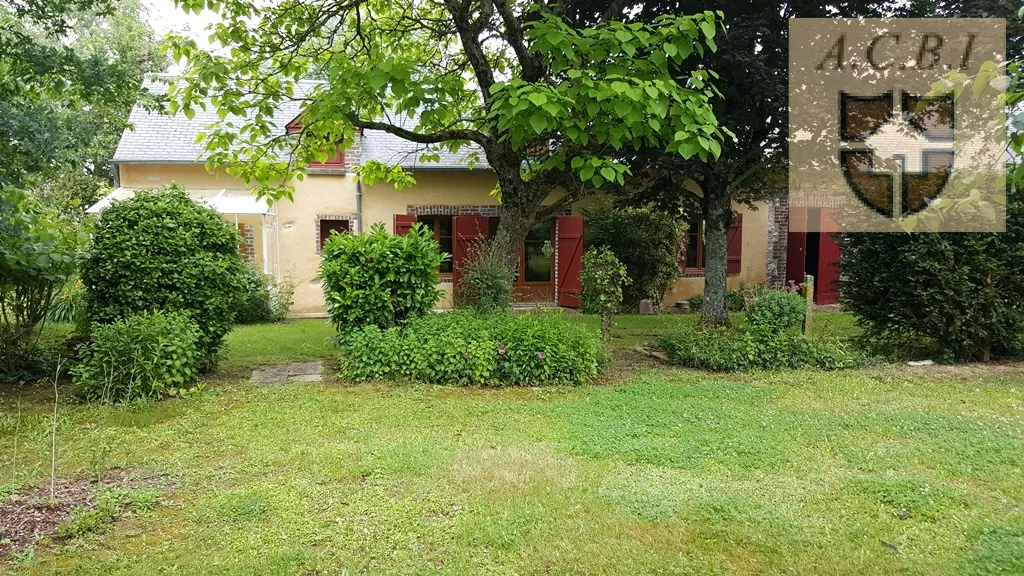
882,471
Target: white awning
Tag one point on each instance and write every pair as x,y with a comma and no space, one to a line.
223,200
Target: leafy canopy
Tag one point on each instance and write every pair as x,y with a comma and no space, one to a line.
515,80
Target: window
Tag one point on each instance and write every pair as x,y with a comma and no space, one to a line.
692,259
442,228
337,160
328,226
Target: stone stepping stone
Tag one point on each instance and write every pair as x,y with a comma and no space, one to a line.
294,372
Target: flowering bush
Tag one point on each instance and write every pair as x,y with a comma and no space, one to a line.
462,348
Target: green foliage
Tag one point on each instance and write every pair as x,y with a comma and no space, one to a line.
734,301
696,303
726,350
595,90
70,72
263,299
603,277
146,356
38,254
646,240
459,348
486,282
161,251
776,311
379,278
961,295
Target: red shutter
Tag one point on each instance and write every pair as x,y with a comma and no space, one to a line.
403,222
467,231
734,245
570,263
828,260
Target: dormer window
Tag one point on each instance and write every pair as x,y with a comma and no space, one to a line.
335,161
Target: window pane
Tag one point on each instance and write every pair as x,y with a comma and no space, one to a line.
444,226
538,266
446,246
492,226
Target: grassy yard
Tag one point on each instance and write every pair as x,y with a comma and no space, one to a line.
882,471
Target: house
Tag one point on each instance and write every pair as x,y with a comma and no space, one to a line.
285,238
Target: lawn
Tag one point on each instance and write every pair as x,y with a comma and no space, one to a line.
883,471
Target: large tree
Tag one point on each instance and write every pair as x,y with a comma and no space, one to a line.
551,106
752,58
126,46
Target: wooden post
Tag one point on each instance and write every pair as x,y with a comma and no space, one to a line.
809,298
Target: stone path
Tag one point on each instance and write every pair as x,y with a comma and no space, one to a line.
294,372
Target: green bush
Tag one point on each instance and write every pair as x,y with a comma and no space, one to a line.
958,295
38,255
380,279
776,311
734,301
263,299
463,348
696,303
161,251
725,350
146,356
647,242
603,277
486,283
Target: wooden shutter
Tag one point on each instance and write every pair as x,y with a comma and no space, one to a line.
734,246
570,260
403,222
467,231
825,285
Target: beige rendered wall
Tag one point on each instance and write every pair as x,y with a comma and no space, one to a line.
753,258
317,195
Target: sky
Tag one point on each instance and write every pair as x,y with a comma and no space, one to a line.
165,17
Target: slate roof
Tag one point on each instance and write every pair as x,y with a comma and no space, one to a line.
163,138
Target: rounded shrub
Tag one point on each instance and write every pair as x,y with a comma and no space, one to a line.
776,311
464,348
144,356
162,251
379,278
647,242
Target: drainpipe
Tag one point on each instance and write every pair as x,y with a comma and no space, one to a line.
359,207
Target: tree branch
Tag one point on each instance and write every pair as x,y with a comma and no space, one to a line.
434,138
471,44
531,69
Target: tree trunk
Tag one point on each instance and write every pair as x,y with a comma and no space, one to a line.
515,222
519,204
717,217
